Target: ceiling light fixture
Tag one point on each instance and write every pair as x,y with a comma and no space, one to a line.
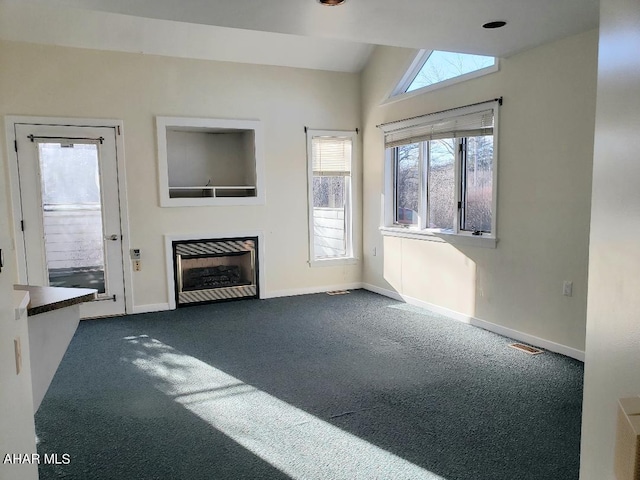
496,24
331,3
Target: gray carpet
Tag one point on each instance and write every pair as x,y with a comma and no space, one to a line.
308,387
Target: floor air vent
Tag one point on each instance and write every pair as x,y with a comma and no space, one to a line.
526,348
338,292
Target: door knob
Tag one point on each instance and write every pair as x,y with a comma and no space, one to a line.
113,237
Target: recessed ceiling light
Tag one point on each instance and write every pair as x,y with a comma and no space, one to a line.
496,24
331,3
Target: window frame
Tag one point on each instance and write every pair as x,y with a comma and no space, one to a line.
456,234
422,176
349,256
400,93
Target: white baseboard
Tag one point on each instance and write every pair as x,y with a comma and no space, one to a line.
159,307
461,317
477,322
156,307
418,303
309,290
529,339
383,291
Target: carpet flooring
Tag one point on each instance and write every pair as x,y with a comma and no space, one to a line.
308,387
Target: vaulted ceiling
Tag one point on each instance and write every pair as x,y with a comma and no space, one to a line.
300,33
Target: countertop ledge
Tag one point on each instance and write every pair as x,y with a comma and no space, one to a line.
47,299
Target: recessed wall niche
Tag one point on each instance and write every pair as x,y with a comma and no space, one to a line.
209,161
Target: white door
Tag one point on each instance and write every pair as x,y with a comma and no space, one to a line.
70,205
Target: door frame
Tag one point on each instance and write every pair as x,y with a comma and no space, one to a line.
10,122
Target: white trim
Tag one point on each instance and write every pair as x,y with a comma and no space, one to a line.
168,252
530,339
155,307
477,322
118,125
349,257
417,303
410,72
496,156
431,235
454,235
414,67
311,290
435,117
332,262
124,218
16,201
213,202
203,124
408,66
388,188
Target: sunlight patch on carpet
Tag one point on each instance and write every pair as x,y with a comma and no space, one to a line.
295,442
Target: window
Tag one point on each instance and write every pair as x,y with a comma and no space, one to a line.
330,157
441,174
433,69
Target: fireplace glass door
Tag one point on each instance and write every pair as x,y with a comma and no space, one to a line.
215,269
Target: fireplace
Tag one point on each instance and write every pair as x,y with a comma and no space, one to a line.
217,269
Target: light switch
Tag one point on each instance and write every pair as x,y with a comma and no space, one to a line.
627,456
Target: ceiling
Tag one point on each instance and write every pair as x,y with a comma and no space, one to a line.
297,33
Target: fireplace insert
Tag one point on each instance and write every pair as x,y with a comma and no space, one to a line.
211,270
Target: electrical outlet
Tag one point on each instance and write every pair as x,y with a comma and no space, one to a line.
567,288
137,265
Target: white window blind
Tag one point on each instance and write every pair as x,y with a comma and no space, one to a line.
331,156
452,126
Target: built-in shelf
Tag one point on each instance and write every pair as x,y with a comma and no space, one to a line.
212,191
207,161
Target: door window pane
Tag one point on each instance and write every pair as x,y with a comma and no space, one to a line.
72,215
441,183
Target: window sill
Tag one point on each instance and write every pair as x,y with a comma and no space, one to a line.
332,262
484,241
166,201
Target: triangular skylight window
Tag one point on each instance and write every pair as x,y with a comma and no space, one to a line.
433,67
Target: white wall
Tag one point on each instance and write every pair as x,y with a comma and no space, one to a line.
545,160
612,367
195,158
68,82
